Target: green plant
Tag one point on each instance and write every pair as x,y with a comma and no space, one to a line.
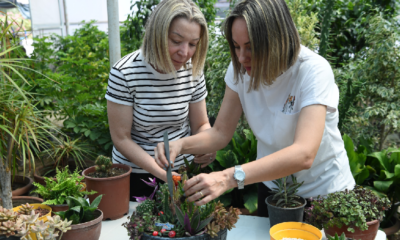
63,149
79,209
79,65
241,150
24,130
352,208
285,193
376,80
66,185
336,237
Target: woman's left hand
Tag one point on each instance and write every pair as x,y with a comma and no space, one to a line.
204,159
206,187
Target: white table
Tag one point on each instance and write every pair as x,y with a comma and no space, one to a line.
248,227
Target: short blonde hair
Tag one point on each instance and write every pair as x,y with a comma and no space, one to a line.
155,42
275,42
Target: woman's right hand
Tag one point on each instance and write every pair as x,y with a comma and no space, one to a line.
175,148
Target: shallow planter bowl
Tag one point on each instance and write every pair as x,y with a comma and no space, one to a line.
115,201
222,235
369,234
295,230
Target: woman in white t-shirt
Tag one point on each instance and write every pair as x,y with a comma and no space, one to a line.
290,99
159,88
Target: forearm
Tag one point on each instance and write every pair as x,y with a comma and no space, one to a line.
209,140
135,154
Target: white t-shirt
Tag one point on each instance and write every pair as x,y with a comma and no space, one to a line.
273,111
160,102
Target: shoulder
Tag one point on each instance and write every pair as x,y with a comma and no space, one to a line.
132,62
310,60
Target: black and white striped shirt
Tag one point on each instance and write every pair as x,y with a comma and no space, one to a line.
160,102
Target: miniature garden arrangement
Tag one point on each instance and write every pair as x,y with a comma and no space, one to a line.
158,216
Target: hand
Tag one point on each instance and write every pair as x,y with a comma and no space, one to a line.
204,159
159,154
206,186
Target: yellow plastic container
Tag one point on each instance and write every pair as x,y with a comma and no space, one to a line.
44,218
295,230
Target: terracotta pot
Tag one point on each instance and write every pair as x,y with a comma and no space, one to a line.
40,171
368,234
27,181
393,229
59,208
115,201
87,231
18,200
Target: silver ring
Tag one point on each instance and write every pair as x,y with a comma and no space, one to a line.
201,194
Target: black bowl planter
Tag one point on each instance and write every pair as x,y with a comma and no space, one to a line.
222,235
280,215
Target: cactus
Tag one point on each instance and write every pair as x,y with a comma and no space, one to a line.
103,165
146,206
25,209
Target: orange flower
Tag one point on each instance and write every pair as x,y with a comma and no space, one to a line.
176,179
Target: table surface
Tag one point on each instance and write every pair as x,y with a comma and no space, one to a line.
247,227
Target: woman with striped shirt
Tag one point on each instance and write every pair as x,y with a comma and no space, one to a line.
158,88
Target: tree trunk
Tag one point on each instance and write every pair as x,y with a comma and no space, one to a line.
5,184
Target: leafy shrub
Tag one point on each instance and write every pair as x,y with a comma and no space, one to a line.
79,66
350,208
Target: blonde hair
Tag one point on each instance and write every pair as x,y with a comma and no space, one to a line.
275,42
155,42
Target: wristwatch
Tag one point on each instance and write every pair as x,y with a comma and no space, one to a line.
239,176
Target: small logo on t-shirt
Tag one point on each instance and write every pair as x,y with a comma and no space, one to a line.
288,107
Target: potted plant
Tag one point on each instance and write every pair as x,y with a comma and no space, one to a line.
56,192
376,171
30,222
240,150
23,128
61,151
356,213
165,217
285,205
112,181
86,218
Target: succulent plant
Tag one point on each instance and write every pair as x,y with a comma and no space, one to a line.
147,206
285,193
9,228
103,165
7,214
191,220
25,209
222,219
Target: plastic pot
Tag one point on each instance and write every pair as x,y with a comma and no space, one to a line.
295,230
115,201
280,215
368,234
27,181
87,231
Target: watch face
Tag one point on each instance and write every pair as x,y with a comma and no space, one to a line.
239,175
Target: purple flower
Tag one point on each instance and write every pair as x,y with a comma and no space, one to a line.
152,182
